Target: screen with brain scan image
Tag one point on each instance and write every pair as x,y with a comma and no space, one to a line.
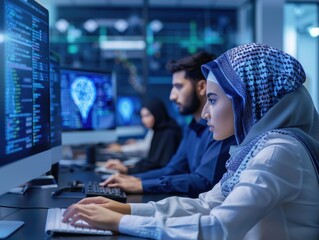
128,110
87,99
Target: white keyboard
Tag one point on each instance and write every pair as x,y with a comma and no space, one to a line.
54,224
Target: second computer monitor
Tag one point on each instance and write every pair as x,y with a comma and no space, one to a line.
88,106
128,110
128,118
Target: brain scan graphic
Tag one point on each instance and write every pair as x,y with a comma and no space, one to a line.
83,93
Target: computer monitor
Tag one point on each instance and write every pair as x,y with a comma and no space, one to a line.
128,117
25,94
88,106
128,110
55,108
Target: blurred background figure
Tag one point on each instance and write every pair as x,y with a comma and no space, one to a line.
133,146
165,137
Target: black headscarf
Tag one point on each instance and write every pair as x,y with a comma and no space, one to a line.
165,141
158,110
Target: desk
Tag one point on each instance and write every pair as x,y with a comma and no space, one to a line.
32,206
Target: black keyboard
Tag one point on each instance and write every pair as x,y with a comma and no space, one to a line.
93,189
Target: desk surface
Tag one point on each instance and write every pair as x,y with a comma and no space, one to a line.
32,206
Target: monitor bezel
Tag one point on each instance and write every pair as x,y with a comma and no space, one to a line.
56,149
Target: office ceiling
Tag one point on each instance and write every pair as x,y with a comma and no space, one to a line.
158,3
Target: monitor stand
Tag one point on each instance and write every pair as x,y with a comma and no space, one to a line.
54,172
91,155
9,227
47,181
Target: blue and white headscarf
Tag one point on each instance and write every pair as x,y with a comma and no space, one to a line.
257,77
265,86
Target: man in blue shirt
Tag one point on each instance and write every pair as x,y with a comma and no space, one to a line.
199,162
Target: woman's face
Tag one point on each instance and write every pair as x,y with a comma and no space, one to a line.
148,119
218,112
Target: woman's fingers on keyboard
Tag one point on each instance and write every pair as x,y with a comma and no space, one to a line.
93,215
69,212
96,200
75,218
79,217
75,213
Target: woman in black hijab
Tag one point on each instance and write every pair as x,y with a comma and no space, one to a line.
165,141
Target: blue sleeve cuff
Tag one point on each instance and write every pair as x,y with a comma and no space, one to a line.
151,185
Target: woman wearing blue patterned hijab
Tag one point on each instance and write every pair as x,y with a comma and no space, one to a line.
277,130
270,189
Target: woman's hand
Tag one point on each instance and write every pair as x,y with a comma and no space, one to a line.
107,203
94,214
116,165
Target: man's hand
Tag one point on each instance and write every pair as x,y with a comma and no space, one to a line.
127,183
114,147
130,141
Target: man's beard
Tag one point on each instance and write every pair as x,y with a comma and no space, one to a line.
191,105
